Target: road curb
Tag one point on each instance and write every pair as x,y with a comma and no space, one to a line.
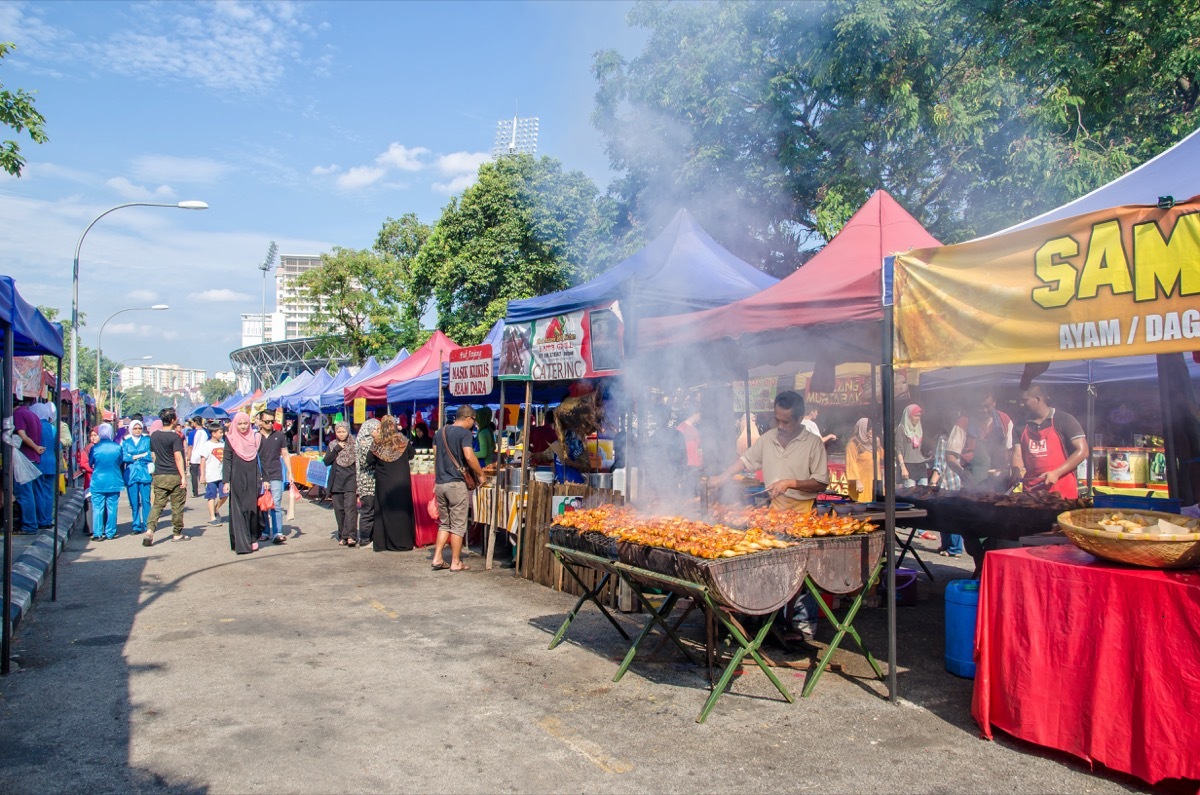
30,568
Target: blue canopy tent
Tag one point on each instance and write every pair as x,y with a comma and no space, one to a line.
681,270
1095,371
310,400
236,399
309,392
26,332
333,400
275,397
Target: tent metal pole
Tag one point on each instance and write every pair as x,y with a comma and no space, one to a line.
58,473
749,415
6,409
889,489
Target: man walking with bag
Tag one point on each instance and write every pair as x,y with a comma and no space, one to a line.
458,473
170,475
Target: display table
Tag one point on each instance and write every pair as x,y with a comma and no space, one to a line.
1093,658
425,527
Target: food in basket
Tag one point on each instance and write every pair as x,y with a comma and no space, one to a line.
1119,522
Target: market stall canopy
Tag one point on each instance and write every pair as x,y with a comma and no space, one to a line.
275,397
236,399
33,334
245,403
681,270
311,399
334,399
309,393
835,296
1097,371
1122,281
1171,173
425,359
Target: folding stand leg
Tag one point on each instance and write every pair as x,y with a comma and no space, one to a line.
588,593
657,616
907,547
844,627
745,646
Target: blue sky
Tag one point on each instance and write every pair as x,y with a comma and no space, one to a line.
305,123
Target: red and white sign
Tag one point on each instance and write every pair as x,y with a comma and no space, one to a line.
471,371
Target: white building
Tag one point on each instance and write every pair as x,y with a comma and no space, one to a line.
164,378
292,309
252,328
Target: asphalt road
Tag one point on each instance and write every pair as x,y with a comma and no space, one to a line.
314,668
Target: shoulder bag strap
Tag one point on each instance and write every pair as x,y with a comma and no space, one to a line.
453,458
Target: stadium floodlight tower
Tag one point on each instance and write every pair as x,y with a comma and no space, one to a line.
515,136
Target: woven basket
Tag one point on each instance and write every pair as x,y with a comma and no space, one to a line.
1158,551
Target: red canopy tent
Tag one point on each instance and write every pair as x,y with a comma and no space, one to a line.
426,359
835,296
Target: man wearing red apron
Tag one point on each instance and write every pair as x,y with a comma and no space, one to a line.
1052,446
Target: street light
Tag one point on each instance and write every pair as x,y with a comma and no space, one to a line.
185,205
112,396
100,338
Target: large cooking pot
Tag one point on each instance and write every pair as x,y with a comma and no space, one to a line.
600,480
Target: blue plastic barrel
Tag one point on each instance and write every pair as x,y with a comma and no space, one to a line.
962,604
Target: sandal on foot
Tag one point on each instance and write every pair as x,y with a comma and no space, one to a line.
440,566
279,539
350,542
148,541
343,543
254,547
464,567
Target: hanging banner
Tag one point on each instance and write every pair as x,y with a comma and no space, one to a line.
584,344
849,390
762,395
471,371
1118,282
27,376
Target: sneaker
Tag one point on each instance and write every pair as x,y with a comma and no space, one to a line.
215,521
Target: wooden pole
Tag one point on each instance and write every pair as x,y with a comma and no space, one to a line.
522,524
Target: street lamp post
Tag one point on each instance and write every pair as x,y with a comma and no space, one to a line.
100,338
185,205
112,395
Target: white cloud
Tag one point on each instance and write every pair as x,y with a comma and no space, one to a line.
461,162
142,296
218,295
188,170
134,192
401,157
322,171
360,177
455,185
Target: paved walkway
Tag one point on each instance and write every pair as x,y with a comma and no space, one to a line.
314,668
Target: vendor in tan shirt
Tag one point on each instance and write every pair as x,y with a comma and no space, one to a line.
795,468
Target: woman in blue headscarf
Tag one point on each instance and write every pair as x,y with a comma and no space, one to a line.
107,483
135,454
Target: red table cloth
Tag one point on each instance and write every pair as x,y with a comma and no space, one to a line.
1093,658
426,526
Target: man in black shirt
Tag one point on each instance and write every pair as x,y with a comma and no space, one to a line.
169,475
271,450
453,454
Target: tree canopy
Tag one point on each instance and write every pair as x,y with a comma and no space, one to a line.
526,228
215,389
773,122
19,113
363,297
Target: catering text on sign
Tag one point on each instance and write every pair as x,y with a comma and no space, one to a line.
1117,282
471,371
565,347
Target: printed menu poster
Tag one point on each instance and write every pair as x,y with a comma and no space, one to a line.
566,347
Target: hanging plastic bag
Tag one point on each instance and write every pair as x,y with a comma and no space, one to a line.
24,470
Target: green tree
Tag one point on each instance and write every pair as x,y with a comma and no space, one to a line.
144,400
525,228
364,304
18,112
773,121
216,389
87,356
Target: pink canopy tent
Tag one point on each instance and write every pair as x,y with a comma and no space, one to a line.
835,299
427,358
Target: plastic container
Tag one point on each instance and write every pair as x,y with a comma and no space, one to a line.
906,587
962,606
1157,478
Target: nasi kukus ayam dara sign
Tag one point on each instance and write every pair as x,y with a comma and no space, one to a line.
1117,282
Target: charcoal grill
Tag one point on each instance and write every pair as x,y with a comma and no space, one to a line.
758,584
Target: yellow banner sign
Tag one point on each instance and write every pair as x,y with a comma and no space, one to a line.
1117,282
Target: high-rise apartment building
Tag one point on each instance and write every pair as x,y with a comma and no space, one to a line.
290,303
164,378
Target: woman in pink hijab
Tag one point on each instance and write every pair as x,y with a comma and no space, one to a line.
243,475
